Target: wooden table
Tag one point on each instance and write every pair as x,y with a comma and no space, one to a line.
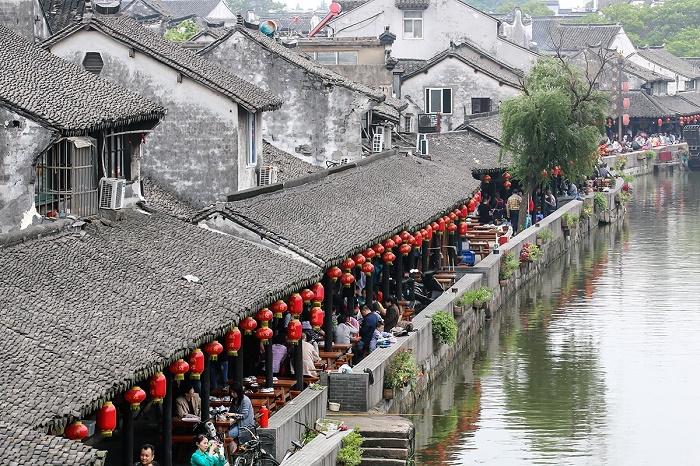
330,357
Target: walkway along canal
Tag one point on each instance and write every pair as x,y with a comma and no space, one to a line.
592,362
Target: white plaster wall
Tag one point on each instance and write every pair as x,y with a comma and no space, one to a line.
678,80
622,43
465,84
194,150
443,21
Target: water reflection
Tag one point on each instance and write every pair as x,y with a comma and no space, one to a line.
589,366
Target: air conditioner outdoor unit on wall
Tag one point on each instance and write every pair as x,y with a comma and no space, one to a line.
378,142
268,175
112,193
422,145
428,123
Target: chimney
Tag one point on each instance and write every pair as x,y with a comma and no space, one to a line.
106,7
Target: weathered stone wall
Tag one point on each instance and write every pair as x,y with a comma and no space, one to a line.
195,151
325,118
465,84
18,15
19,147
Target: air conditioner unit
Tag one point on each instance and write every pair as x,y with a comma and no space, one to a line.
378,142
428,123
422,144
112,193
268,175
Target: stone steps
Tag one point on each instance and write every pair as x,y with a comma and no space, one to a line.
384,442
382,462
386,453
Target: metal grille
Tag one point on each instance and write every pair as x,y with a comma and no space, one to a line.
66,180
116,156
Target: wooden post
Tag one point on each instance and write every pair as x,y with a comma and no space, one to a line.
369,290
399,277
299,364
425,255
167,451
386,275
329,288
127,435
268,365
206,387
239,364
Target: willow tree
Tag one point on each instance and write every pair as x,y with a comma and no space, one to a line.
556,122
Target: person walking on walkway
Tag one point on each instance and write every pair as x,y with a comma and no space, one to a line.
513,209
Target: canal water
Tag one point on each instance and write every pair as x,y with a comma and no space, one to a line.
594,364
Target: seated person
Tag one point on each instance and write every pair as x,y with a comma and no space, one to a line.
207,453
279,353
147,456
345,333
378,331
243,407
309,356
188,402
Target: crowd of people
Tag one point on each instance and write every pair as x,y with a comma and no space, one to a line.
495,210
642,141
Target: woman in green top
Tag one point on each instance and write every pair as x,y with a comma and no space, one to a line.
207,454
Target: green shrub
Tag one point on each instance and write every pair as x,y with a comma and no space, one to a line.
650,154
183,32
401,371
477,297
530,253
509,264
444,327
350,453
623,197
545,235
587,210
620,163
568,220
600,202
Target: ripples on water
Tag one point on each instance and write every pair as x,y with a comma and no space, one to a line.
597,363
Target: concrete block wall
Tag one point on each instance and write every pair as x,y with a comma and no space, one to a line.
321,451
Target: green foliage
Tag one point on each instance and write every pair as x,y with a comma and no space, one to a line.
555,122
477,297
309,435
622,197
401,371
568,220
650,154
260,7
509,264
529,7
545,235
444,327
600,202
587,210
675,23
627,178
350,453
620,162
183,32
530,253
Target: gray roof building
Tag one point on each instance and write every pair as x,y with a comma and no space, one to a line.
675,105
666,59
53,92
60,13
550,34
290,167
131,33
486,125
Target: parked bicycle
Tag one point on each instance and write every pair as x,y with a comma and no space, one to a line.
251,453
306,438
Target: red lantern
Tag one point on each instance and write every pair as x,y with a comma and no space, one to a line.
296,304
405,249
453,216
264,316
378,249
157,387
107,418
405,236
463,211
441,225
367,268
471,205
249,324
264,334
294,331
306,295
76,431
233,340
477,197
359,260
316,317
135,396
334,273
463,228
347,279
348,264
389,243
214,349
369,254
429,232
179,368
486,179
197,362
319,294
412,240
452,227
397,240
279,307
389,257
419,240
507,184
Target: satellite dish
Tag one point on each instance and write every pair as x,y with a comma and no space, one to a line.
268,27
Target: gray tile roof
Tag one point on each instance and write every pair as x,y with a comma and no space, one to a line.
646,74
550,34
675,105
412,4
62,95
61,13
478,59
642,106
410,66
298,60
290,166
130,32
348,5
692,97
461,149
182,8
320,219
666,59
165,201
89,313
145,8
22,446
487,125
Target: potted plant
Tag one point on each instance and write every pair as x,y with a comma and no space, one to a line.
543,236
444,328
529,253
568,221
477,298
600,202
401,371
509,264
650,154
350,453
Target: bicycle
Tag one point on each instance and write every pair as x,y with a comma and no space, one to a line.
251,453
296,446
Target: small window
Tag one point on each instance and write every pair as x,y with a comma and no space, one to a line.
438,100
252,156
481,105
326,58
412,24
93,62
690,85
407,123
347,58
